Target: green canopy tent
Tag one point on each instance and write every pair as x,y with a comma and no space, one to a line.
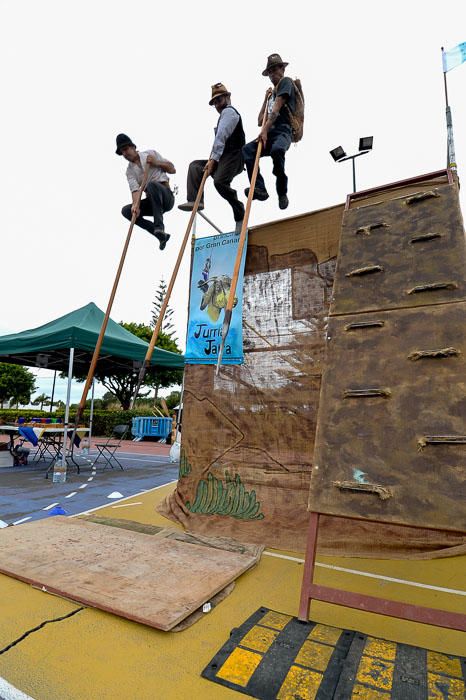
68,342
49,345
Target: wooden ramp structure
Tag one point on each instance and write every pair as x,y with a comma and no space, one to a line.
391,433
154,579
390,439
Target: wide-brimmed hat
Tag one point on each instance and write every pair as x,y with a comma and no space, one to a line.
202,284
122,140
274,60
217,90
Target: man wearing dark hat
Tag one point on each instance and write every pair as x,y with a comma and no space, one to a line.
276,132
159,197
226,159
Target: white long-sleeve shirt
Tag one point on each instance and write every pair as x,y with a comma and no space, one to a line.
135,171
227,122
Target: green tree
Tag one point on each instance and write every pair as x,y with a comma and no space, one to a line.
167,326
122,383
109,401
16,384
160,378
105,403
42,400
173,399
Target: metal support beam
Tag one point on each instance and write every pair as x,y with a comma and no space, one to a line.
201,213
381,606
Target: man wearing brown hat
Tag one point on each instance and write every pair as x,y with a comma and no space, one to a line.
276,132
226,159
159,197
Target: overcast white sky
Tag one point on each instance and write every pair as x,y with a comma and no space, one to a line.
74,75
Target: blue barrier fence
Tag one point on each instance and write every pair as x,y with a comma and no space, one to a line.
151,427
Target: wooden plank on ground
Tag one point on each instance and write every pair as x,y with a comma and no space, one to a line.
151,580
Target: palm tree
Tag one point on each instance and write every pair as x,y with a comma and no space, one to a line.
42,399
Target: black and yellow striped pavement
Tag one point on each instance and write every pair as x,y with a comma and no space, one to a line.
273,656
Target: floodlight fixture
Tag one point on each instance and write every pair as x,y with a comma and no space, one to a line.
365,143
338,153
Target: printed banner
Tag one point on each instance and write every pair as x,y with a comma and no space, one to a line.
213,263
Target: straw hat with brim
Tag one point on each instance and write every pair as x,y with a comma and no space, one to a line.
217,90
121,141
274,60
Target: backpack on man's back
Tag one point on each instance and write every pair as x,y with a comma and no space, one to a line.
297,117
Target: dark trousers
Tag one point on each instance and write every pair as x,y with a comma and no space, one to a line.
229,165
278,142
159,199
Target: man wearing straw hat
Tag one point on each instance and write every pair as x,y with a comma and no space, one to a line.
159,197
275,134
226,159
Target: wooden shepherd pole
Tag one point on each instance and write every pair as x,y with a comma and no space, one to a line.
239,254
158,325
95,356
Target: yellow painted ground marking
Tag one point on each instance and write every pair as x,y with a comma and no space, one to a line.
441,663
375,672
239,666
259,638
300,684
441,687
380,648
275,619
325,634
360,692
314,655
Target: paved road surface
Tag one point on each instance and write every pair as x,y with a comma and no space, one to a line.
25,493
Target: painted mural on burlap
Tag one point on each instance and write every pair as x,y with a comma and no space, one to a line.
248,434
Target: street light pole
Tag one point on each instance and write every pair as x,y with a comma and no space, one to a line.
339,155
353,158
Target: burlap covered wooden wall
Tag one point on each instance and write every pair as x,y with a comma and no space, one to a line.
248,434
391,438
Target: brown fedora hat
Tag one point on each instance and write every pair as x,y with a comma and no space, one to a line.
274,60
217,90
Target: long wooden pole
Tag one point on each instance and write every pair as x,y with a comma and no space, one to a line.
158,325
95,356
239,254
